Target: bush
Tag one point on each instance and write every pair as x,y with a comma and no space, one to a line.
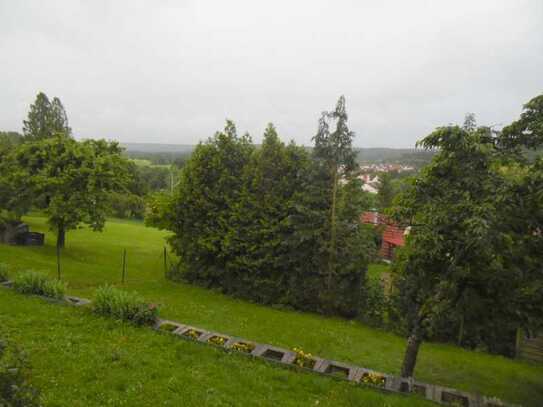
4,272
375,305
32,282
15,390
123,305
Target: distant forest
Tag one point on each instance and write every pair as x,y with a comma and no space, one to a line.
161,154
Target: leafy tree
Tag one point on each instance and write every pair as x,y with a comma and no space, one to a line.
15,197
70,179
453,246
45,119
474,251
8,141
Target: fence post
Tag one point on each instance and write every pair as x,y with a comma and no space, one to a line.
165,262
58,261
124,266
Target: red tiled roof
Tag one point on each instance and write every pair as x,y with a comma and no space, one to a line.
394,235
370,217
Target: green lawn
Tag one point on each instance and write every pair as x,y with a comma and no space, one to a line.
81,360
91,259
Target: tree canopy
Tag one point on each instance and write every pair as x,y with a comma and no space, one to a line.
45,119
473,253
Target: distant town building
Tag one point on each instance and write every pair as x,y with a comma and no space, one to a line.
382,167
371,183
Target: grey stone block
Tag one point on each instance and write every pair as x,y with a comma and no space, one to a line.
334,368
77,301
270,352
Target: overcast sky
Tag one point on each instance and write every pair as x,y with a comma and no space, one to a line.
172,71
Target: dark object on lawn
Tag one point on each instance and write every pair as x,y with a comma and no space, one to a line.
18,233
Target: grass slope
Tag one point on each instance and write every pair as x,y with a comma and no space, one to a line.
79,359
91,259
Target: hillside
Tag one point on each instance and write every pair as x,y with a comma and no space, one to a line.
92,259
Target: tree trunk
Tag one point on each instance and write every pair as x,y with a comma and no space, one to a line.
461,331
332,257
61,237
411,352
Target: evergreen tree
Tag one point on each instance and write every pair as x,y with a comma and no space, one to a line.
45,119
200,210
385,194
333,149
261,262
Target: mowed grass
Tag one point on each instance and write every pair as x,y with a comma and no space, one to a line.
91,259
82,360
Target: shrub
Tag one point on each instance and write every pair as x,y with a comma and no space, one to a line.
375,306
4,271
123,305
32,282
14,387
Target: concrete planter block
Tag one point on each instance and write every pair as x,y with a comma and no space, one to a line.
77,301
338,369
288,358
386,379
320,365
393,383
406,385
168,326
7,284
493,402
271,352
190,332
451,396
214,338
356,374
241,345
422,389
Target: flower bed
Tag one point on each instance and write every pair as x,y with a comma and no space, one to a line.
303,359
244,347
192,333
373,378
217,340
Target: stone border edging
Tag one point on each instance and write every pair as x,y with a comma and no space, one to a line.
329,368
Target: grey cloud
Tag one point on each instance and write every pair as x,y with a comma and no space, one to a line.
172,71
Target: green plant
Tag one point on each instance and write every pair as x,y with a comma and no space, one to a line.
303,359
4,272
123,305
15,390
217,340
243,347
373,378
192,333
33,282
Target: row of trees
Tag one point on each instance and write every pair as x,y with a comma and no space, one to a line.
70,180
274,224
474,255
